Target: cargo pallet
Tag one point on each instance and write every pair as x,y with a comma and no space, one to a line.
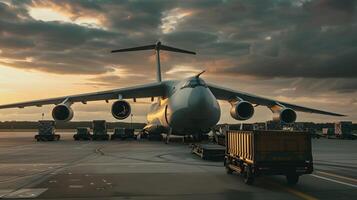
209,151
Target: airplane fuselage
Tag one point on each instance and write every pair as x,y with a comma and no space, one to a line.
188,108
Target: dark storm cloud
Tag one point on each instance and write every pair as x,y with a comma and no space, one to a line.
262,39
313,47
10,42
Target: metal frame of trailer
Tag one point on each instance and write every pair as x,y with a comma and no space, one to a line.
82,133
251,159
46,131
43,138
208,151
123,134
100,131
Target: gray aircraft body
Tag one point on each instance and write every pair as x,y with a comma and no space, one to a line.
183,107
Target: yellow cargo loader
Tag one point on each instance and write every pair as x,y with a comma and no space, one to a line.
256,153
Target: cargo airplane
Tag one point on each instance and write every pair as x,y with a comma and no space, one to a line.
183,107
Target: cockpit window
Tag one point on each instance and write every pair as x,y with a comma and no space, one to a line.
194,83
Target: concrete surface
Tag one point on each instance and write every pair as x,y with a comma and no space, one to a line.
70,169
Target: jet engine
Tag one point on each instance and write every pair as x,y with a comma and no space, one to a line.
285,115
121,109
62,112
242,110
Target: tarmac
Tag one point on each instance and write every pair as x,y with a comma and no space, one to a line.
69,169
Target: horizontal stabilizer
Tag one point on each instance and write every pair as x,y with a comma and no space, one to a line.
158,46
147,47
167,48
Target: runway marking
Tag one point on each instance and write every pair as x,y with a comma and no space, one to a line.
99,150
333,180
4,192
30,165
294,192
337,176
25,193
300,194
75,186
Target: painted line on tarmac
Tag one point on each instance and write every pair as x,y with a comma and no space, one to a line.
99,150
333,180
300,194
297,193
337,176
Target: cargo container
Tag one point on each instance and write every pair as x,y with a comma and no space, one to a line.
46,131
328,132
256,153
83,133
123,133
273,125
100,130
343,130
209,151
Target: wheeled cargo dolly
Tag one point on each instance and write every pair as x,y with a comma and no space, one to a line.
43,138
123,134
100,130
83,133
209,151
46,131
257,153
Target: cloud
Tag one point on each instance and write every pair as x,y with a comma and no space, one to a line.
271,47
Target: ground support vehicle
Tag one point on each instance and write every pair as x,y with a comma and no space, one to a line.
209,151
123,134
46,131
83,133
256,153
100,130
343,130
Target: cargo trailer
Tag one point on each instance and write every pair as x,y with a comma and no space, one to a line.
257,153
100,130
123,134
343,130
82,133
46,131
209,151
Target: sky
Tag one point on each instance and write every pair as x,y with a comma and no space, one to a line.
299,51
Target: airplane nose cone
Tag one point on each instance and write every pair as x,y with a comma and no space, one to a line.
201,103
200,112
199,100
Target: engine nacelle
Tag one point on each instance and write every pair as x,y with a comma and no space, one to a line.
62,112
242,110
121,109
285,115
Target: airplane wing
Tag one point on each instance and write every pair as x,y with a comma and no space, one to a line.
229,94
141,91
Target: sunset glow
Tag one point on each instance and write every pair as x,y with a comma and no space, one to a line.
50,49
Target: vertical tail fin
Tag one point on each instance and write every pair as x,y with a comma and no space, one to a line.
157,47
